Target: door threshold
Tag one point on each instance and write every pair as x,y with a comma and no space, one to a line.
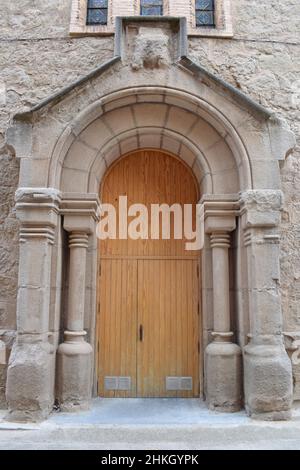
146,411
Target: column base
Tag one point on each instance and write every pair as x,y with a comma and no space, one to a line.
273,416
224,374
268,382
30,384
74,372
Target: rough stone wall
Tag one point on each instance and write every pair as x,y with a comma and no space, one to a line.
38,57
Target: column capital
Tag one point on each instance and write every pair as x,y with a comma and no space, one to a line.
38,210
81,212
219,212
37,207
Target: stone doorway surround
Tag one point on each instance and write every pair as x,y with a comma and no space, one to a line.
150,94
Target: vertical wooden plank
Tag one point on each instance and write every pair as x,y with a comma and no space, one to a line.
117,324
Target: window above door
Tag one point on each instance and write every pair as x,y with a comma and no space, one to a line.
204,17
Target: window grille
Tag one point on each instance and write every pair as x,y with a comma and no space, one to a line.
205,13
97,12
151,7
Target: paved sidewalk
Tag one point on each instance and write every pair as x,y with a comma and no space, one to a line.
175,424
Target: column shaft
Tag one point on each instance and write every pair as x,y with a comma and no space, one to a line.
220,243
78,243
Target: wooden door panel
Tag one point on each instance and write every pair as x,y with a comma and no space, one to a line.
117,324
168,313
152,283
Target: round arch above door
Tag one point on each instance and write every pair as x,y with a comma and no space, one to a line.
148,289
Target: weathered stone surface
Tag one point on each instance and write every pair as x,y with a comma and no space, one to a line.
224,373
150,53
30,364
74,375
268,384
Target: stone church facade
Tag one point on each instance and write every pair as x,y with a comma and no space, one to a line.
215,85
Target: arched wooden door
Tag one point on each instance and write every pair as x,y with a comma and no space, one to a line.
148,292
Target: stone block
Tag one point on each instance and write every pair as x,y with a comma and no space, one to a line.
282,138
170,145
223,367
268,382
220,157
129,144
112,153
29,389
74,179
96,134
32,310
265,266
226,181
180,120
203,135
33,173
187,155
265,306
80,156
266,174
120,120
150,114
149,140
19,136
31,272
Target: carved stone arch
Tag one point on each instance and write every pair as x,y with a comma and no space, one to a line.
205,116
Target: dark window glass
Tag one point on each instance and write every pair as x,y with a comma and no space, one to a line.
205,13
151,7
97,12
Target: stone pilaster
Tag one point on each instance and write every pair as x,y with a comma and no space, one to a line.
223,358
30,376
268,372
75,355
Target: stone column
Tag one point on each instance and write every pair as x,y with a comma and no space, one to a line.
75,355
223,358
30,387
268,371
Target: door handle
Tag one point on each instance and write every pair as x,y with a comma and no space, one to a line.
141,332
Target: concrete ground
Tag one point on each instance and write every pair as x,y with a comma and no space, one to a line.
175,424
